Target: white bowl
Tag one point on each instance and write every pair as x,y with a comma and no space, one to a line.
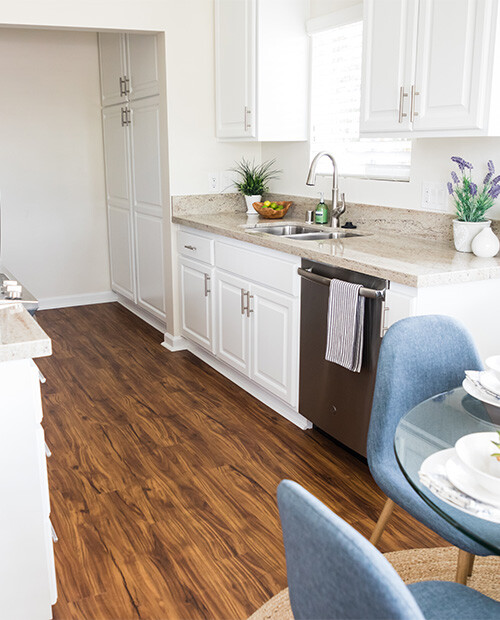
474,452
493,363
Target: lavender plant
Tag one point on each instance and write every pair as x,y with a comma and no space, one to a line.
472,202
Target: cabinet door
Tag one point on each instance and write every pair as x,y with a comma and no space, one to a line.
235,42
232,321
112,60
389,40
145,155
197,302
121,253
454,48
116,156
149,263
142,65
274,342
117,164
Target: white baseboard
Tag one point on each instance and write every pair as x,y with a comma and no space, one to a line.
142,314
174,343
249,386
84,299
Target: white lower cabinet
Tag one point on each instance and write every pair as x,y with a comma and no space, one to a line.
197,306
232,321
149,263
274,341
255,309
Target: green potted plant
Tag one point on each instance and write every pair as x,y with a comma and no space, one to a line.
471,202
252,180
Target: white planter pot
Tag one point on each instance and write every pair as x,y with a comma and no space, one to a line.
249,201
464,233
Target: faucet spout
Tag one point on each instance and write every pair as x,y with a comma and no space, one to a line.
337,208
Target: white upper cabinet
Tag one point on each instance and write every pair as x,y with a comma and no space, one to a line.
428,68
261,64
390,30
129,67
112,57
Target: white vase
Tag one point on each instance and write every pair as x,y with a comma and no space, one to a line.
485,244
249,201
464,233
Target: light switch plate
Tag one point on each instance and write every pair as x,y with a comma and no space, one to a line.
434,196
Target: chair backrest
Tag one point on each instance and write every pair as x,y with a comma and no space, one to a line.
333,572
419,357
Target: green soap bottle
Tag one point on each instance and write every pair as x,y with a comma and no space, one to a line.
321,215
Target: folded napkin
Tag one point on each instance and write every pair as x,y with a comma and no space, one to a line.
442,487
346,314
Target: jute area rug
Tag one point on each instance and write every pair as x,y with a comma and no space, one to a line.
413,565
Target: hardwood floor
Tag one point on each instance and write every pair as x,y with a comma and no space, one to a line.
163,477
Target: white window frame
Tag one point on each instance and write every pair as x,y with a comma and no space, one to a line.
315,25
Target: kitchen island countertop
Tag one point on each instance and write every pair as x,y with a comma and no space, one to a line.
20,335
413,261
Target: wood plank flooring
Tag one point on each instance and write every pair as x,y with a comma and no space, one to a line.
163,477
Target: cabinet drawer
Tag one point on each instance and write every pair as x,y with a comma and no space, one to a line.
195,246
263,266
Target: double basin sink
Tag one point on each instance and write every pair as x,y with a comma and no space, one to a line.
302,233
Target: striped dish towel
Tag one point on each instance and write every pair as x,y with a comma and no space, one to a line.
346,314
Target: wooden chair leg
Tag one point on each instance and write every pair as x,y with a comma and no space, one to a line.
464,565
471,564
382,521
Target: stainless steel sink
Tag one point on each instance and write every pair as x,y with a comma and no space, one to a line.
304,233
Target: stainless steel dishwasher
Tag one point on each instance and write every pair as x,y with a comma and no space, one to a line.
333,398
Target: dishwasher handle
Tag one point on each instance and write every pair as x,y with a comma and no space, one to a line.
314,277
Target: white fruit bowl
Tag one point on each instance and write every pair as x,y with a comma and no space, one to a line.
474,452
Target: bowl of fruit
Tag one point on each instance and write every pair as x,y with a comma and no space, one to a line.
272,210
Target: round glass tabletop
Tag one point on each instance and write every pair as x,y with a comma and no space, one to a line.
436,424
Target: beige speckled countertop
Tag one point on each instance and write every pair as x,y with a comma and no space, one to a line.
20,335
409,260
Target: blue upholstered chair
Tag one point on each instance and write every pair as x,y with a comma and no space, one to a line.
419,357
334,572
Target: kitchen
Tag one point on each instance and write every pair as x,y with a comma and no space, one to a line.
63,258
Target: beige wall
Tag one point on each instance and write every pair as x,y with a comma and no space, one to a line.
51,162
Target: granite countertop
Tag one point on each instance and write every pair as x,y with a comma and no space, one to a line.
20,335
411,260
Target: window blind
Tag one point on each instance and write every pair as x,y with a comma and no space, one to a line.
335,110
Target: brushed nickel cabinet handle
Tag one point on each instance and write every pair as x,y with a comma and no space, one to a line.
247,123
122,86
402,95
128,118
123,112
242,300
249,310
190,247
207,285
126,86
413,112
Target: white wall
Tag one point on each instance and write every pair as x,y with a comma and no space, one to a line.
51,163
430,160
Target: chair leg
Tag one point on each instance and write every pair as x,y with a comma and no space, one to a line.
464,565
471,564
382,521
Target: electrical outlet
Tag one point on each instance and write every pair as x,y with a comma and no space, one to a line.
213,182
434,196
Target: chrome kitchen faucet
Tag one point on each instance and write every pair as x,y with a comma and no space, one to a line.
338,207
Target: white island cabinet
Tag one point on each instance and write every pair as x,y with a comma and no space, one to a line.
27,573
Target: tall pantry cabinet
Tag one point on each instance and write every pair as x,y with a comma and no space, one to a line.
132,137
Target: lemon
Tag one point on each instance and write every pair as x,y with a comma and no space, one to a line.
267,203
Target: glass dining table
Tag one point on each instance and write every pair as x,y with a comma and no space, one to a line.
436,424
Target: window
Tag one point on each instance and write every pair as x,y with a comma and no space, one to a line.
335,110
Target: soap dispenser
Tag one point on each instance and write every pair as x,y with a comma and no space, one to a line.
321,215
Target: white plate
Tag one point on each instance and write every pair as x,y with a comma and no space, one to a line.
478,393
465,482
489,381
